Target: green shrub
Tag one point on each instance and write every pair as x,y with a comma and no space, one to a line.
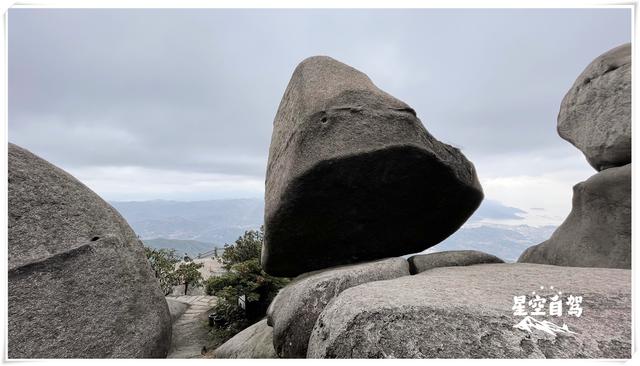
163,262
246,280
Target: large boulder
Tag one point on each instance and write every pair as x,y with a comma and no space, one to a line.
597,232
595,114
467,312
295,309
354,176
254,342
80,285
423,262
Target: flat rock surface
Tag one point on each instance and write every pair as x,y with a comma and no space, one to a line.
423,262
80,285
190,330
467,312
597,232
255,341
295,309
352,160
595,115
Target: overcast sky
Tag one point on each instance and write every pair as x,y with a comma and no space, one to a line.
179,104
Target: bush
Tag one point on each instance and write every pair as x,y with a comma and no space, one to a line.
245,280
163,263
247,247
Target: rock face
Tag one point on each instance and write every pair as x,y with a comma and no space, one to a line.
422,262
79,282
425,316
295,309
595,115
176,308
354,176
254,342
597,232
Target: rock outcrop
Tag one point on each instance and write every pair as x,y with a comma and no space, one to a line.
467,312
254,342
597,232
595,115
80,285
295,309
354,176
423,262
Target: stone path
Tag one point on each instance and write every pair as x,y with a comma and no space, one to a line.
190,330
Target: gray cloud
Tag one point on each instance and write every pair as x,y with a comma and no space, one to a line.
195,91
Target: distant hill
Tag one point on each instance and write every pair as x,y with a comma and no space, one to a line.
504,241
199,226
191,247
216,222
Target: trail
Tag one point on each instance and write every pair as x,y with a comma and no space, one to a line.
190,329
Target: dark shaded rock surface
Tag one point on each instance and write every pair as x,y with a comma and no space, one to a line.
597,232
354,176
423,262
254,342
80,285
295,309
595,115
425,316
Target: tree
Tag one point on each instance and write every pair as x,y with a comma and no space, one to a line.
188,274
163,262
247,247
245,280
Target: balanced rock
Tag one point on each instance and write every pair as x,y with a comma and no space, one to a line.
597,232
422,262
468,312
295,309
254,342
80,285
354,176
595,115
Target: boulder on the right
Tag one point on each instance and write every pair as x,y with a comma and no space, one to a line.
597,232
473,312
595,114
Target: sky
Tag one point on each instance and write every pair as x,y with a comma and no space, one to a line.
178,104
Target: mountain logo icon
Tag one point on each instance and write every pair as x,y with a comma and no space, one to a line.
529,324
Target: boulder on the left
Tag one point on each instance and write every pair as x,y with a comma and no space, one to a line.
79,282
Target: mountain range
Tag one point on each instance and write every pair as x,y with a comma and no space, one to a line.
193,248
194,227
504,241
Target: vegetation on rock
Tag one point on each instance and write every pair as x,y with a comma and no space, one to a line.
163,263
245,292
